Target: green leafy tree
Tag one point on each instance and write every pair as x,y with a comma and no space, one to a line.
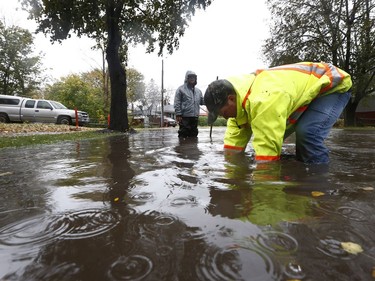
83,92
338,31
20,70
119,23
135,86
98,94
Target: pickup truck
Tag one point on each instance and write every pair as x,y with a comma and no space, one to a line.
19,109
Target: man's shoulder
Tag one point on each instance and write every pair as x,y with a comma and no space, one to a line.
180,88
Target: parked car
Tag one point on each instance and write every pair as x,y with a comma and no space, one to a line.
19,109
169,122
137,120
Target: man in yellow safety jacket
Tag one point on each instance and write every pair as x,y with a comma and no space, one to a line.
306,98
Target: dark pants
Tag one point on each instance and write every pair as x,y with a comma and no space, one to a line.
188,127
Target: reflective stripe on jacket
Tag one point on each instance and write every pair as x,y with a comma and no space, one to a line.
273,99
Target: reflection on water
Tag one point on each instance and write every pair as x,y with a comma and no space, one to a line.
150,206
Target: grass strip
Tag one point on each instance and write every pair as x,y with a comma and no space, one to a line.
48,138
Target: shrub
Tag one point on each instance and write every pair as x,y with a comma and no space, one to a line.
220,121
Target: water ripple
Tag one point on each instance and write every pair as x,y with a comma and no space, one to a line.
332,247
325,207
143,196
63,271
14,213
164,250
193,234
134,268
330,238
347,212
235,262
277,242
184,201
90,223
37,230
41,229
352,213
153,223
294,271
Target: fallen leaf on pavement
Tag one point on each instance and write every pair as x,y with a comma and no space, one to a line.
351,248
317,193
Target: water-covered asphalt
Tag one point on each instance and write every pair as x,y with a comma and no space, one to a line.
148,206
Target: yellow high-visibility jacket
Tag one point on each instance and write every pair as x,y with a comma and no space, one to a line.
270,101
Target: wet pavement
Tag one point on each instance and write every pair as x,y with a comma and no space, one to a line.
149,206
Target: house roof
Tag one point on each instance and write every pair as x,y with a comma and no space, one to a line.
169,108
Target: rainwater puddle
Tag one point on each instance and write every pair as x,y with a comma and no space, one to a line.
149,206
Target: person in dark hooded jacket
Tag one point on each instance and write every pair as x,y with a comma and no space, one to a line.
187,100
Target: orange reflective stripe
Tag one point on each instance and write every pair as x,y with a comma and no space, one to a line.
302,108
267,158
292,119
330,76
227,146
334,75
245,99
302,70
310,69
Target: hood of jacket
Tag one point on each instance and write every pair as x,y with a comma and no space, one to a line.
189,72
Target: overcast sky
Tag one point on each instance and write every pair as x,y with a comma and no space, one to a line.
223,40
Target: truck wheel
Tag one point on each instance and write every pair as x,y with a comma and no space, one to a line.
4,118
64,120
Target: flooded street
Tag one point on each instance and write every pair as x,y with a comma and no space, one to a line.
149,206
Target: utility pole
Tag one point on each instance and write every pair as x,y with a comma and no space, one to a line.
162,94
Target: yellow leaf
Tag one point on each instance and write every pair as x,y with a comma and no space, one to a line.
317,193
351,248
116,199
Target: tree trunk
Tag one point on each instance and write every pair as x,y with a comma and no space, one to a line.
349,114
119,104
105,80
